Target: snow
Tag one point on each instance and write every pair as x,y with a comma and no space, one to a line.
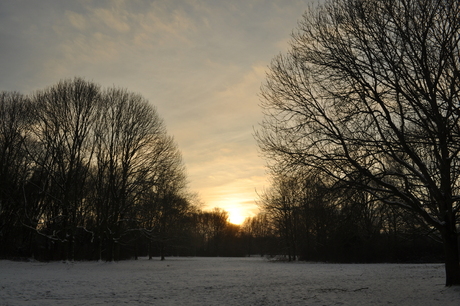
222,281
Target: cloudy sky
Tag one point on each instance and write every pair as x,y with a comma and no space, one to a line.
200,62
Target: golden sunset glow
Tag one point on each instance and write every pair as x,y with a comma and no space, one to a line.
236,215
200,63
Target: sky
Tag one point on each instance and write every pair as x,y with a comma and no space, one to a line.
199,62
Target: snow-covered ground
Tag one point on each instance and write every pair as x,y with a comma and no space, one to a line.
223,281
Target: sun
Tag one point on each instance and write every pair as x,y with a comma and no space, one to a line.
236,219
236,215
238,208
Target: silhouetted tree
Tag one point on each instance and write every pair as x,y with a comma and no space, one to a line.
258,235
86,173
138,170
14,172
370,90
213,235
218,221
171,203
283,204
64,116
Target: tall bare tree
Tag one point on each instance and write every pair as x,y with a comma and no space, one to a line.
371,90
87,170
64,115
130,146
14,169
164,207
284,204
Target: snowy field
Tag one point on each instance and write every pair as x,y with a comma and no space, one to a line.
223,281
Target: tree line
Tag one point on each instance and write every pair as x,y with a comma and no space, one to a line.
90,173
305,217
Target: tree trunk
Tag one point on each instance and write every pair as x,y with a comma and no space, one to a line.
162,250
72,242
100,248
150,249
452,264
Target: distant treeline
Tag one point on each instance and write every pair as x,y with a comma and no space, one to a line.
307,218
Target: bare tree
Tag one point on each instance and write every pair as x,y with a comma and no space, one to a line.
84,169
302,209
14,166
371,90
258,234
218,222
283,204
128,139
164,211
210,229
64,116
138,173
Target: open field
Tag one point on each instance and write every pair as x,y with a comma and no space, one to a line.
223,281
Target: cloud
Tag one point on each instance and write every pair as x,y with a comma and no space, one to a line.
115,20
78,21
235,193
200,62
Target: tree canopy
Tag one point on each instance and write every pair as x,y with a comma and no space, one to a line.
369,94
